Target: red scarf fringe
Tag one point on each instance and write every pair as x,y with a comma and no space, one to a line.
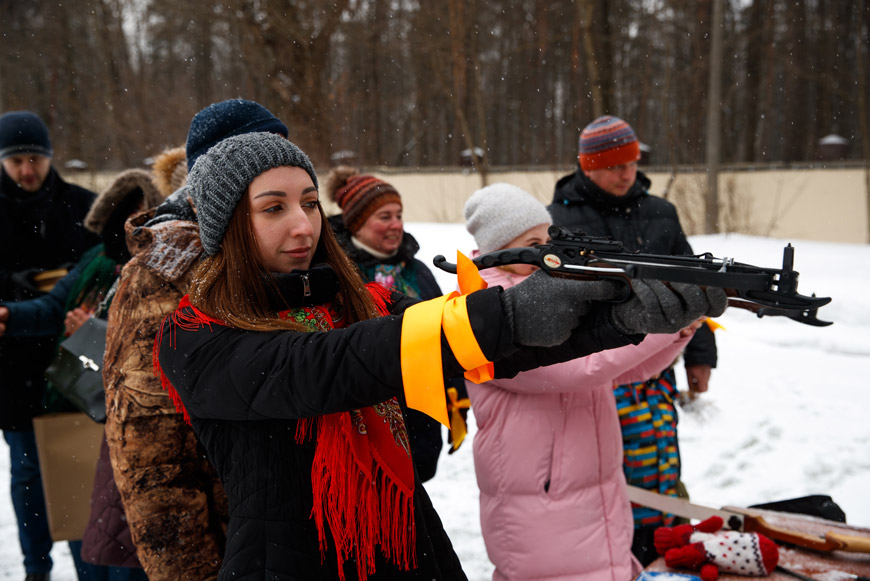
188,322
381,297
362,483
363,502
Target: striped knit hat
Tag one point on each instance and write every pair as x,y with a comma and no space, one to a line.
358,196
606,142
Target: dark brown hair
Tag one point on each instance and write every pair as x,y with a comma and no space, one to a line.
231,285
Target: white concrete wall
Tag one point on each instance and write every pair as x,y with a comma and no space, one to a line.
811,204
823,204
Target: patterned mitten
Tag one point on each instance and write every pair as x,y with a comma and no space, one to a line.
747,554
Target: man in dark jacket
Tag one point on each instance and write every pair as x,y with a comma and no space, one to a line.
608,196
40,230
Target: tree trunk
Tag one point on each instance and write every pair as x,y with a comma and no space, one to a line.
593,64
753,80
714,98
860,61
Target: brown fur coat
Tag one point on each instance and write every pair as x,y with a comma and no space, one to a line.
173,499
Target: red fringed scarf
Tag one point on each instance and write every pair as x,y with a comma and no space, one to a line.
362,477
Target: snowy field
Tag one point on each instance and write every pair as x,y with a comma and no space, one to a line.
786,415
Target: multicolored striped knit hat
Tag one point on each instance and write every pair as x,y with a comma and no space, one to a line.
358,196
606,142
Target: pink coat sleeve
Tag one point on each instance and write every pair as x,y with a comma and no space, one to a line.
617,366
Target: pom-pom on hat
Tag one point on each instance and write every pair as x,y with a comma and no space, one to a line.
358,196
500,212
606,142
225,119
221,177
23,132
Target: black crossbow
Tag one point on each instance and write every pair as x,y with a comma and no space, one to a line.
764,291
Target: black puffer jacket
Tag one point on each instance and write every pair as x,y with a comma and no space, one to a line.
245,391
642,222
423,431
38,230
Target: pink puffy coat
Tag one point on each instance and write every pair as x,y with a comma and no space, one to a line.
548,458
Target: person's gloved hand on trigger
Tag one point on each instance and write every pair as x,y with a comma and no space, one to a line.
543,310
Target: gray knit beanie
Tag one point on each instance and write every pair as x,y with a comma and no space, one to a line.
499,213
221,177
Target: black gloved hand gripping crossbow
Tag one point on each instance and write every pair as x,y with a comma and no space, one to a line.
573,254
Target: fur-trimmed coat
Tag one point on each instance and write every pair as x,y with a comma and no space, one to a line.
175,505
170,170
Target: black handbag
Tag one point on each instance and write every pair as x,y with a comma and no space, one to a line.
76,371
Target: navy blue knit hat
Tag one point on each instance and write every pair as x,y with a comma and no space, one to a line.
225,119
23,132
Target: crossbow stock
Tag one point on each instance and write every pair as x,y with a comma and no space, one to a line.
573,254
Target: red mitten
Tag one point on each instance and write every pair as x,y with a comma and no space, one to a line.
692,557
688,557
748,554
669,537
709,572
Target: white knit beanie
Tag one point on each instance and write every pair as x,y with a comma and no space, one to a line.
499,213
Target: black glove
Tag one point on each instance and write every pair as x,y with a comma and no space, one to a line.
23,286
543,310
653,307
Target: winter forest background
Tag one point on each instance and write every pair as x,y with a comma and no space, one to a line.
408,83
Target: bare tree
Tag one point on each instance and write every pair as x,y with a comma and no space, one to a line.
861,22
714,101
413,83
595,45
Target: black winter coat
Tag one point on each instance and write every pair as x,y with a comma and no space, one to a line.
245,391
642,222
423,432
38,230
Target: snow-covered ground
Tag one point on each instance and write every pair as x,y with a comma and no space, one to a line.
786,415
